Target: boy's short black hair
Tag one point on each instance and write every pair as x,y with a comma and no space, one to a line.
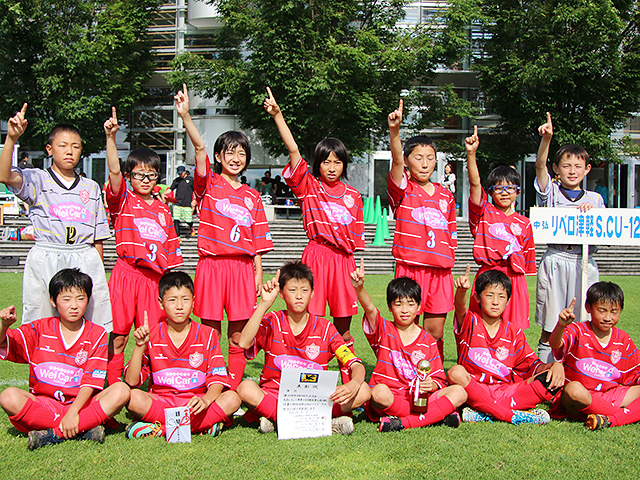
63,127
175,279
571,149
503,173
493,277
403,287
142,156
227,140
324,149
413,142
67,279
606,292
295,270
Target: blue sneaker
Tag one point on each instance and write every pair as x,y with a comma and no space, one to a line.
215,430
144,429
535,416
41,438
473,416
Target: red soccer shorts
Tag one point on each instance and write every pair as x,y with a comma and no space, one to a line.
436,285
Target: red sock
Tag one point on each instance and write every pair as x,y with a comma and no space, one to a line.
237,362
437,411
115,366
479,398
626,415
33,416
90,416
601,406
336,411
440,344
528,395
345,372
208,418
397,409
268,407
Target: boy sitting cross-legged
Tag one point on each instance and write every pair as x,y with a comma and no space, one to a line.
496,366
67,356
295,334
601,361
400,346
185,365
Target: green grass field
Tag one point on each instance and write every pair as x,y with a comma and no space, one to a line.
558,450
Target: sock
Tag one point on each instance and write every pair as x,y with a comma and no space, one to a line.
33,416
268,408
601,406
544,352
626,415
336,411
397,408
437,411
115,366
237,362
528,395
89,417
345,372
480,399
440,344
176,225
208,418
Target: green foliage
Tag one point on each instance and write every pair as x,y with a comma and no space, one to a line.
70,60
578,59
336,67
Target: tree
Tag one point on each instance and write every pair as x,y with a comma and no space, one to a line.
70,60
578,59
336,67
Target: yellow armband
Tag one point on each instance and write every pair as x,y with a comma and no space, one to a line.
344,355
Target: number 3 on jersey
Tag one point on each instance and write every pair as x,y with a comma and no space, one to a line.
234,236
153,248
432,239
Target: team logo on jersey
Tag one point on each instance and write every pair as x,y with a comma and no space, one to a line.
336,213
349,201
444,205
150,230
403,367
81,357
616,355
516,229
84,196
161,220
598,369
195,359
482,358
502,353
416,356
70,212
248,203
312,351
292,361
237,213
500,231
430,217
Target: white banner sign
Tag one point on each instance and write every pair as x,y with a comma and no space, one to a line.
598,226
304,408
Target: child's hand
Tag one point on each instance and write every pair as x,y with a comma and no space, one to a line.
141,334
471,143
463,281
271,289
546,129
69,423
583,207
427,385
395,117
197,405
345,393
111,124
8,316
17,124
357,276
270,104
555,375
182,101
567,316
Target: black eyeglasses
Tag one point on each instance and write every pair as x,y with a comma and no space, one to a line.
504,188
141,176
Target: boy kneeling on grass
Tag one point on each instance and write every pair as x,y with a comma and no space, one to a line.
400,347
601,361
184,364
297,336
502,376
67,356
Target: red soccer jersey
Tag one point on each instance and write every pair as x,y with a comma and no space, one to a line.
501,239
58,370
330,213
313,348
232,220
189,369
145,236
505,358
426,231
396,365
598,368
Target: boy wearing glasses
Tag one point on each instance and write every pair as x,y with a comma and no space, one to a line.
503,239
146,244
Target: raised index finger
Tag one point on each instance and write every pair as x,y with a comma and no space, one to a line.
548,117
270,94
475,130
146,319
400,106
113,113
23,110
468,271
573,303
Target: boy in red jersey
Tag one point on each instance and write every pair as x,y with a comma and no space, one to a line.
67,356
503,239
426,236
146,243
400,346
601,362
296,337
496,366
184,364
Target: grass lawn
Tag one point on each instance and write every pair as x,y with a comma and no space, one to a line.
557,450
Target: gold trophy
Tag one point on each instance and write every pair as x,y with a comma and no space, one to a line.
420,399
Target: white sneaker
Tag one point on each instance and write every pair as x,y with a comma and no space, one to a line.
342,425
266,425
